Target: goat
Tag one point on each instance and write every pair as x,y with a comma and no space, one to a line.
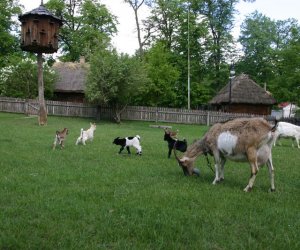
133,141
180,145
173,134
242,140
86,134
287,130
60,137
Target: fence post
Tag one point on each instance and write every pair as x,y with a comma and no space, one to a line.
208,118
26,107
98,112
156,115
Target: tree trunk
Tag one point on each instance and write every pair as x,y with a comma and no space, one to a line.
42,105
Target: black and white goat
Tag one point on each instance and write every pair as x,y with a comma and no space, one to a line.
243,140
127,142
180,145
60,137
287,130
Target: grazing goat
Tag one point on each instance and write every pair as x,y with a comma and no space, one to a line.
60,137
86,134
287,130
242,139
180,145
127,142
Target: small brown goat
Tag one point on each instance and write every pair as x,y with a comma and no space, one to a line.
60,137
242,140
173,134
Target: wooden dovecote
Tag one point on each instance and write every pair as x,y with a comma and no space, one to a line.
39,31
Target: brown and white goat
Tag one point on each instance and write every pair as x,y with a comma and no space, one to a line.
241,140
60,137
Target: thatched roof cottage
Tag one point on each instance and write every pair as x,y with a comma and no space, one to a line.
243,95
70,85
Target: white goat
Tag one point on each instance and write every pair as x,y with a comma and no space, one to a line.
243,139
287,130
86,134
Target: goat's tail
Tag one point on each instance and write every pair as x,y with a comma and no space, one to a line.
81,132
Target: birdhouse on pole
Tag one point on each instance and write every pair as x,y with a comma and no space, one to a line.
39,30
39,34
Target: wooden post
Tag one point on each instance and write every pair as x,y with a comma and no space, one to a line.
207,119
42,106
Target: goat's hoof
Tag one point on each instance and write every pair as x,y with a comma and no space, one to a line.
272,190
221,179
248,189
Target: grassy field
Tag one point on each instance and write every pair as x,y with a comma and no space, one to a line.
89,197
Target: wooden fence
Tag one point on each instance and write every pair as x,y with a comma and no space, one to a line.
139,113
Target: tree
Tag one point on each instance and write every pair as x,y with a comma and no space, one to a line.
164,76
114,80
271,51
9,43
20,77
136,5
85,24
258,36
286,84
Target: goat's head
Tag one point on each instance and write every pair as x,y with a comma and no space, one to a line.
66,131
116,140
167,136
170,133
187,161
93,126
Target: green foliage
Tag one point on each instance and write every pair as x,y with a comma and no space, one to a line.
89,197
86,23
20,79
161,91
8,25
115,79
271,54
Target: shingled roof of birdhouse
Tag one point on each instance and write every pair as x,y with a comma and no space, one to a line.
40,11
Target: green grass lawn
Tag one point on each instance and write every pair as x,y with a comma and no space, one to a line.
90,197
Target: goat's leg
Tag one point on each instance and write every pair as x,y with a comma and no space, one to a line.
252,157
223,160
78,140
128,150
54,143
271,173
217,178
217,168
121,149
170,152
297,141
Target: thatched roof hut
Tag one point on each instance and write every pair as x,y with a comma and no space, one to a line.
243,95
70,85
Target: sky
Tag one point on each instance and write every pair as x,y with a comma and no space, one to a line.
126,39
